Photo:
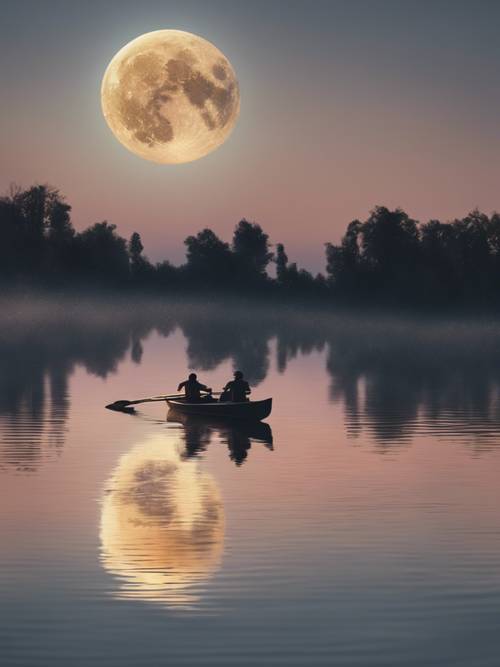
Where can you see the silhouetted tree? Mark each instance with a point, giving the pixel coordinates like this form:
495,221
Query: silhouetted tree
13,255
59,227
251,252
101,254
281,264
141,269
440,271
208,259
36,231
461,259
388,237
473,253
60,240
135,248
378,258
343,263
291,279
34,204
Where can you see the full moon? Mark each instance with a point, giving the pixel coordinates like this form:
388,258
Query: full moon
170,96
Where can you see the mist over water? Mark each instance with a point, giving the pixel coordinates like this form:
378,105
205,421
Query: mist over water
359,526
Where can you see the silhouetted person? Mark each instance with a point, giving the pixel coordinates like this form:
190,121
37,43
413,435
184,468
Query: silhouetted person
236,390
193,388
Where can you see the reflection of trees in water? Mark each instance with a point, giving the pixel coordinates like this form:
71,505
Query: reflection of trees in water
38,353
214,340
392,377
292,341
434,379
33,398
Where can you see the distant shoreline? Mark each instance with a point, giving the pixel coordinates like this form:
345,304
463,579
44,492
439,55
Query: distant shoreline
387,262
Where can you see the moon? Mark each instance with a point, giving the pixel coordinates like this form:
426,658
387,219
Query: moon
162,525
170,96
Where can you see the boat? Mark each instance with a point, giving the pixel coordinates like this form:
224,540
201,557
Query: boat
246,410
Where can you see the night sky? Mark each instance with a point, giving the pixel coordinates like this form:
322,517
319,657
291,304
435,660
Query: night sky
344,105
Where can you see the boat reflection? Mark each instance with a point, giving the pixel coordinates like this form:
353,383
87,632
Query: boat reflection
237,436
162,525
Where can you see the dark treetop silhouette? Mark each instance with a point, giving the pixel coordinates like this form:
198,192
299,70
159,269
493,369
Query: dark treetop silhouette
389,259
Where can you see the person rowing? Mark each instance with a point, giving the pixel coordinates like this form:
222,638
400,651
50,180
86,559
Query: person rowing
236,390
193,388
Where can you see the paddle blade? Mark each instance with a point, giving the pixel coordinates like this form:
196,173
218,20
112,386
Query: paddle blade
121,406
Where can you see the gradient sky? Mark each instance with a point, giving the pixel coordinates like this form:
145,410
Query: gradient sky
345,105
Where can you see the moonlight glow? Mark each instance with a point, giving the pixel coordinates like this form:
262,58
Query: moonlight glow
170,96
162,525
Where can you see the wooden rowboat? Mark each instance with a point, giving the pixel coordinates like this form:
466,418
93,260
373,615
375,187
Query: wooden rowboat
247,410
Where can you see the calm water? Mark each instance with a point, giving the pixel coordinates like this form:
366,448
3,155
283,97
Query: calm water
361,527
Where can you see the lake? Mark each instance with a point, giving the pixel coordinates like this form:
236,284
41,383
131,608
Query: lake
360,527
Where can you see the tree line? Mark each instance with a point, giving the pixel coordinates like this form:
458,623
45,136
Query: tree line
387,259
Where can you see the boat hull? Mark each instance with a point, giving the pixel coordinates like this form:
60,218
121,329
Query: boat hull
246,411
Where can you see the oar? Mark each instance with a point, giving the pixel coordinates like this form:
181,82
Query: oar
124,404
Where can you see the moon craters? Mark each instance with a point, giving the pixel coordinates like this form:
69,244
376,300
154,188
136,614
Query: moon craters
170,96
219,71
199,90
